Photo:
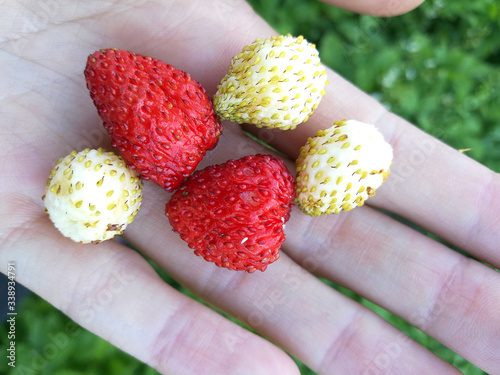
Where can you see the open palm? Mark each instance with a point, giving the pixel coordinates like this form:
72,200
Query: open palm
113,291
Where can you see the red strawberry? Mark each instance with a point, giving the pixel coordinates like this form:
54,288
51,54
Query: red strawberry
233,214
160,119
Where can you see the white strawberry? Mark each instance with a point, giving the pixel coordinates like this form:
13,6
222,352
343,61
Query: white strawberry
341,167
275,83
92,195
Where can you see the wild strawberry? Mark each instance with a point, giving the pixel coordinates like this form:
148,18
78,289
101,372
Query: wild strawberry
92,195
341,167
233,214
275,83
160,119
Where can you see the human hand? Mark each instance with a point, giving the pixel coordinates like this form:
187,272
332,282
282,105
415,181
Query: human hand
112,291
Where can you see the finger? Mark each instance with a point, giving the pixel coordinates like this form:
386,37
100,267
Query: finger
387,8
443,191
448,296
431,184
321,327
112,291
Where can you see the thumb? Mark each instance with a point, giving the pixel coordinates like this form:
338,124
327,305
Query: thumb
383,8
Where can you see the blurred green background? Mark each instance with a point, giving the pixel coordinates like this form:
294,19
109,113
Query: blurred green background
437,66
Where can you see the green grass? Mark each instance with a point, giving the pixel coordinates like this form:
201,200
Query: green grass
438,67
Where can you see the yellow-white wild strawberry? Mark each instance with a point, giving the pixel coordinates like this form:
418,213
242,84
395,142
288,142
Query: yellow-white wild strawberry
276,83
341,167
92,195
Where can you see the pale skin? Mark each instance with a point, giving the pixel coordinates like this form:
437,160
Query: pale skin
111,290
